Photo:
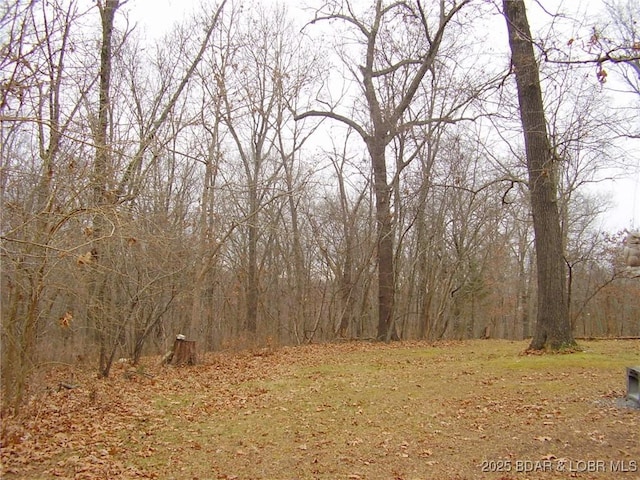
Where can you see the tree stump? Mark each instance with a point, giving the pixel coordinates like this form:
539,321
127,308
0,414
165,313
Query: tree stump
184,353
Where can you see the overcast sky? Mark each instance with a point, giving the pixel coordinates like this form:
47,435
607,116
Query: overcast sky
157,16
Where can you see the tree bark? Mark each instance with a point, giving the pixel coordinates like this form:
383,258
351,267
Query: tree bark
183,353
384,224
99,180
553,328
348,275
252,267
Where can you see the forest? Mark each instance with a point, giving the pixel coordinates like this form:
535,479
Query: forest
271,174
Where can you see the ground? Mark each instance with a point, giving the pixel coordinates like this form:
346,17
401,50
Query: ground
460,410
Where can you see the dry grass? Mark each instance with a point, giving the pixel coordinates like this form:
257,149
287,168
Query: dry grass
466,410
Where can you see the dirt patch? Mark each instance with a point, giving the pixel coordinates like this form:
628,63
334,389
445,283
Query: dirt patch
459,410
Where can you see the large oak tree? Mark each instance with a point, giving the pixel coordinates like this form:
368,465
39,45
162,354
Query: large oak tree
553,328
384,70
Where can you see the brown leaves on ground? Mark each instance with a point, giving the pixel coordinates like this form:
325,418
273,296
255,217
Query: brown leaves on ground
459,410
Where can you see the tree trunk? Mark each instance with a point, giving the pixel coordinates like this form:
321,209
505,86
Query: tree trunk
252,267
347,280
386,121
107,14
99,183
183,353
553,329
297,313
384,224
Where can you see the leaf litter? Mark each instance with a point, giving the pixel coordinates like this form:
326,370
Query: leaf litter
409,410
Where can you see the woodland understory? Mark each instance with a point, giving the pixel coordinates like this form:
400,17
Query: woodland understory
269,175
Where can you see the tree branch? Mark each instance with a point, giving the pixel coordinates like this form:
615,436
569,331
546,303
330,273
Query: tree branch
146,141
334,116
427,62
393,68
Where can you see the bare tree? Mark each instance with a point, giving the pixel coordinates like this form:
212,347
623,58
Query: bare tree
116,182
611,40
619,40
258,75
389,80
170,189
553,328
349,268
39,106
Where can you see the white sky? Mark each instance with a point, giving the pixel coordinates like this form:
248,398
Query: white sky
158,16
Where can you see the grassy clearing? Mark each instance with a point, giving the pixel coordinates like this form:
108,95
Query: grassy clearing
476,409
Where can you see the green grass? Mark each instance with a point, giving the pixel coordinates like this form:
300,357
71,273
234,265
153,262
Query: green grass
391,411
352,411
